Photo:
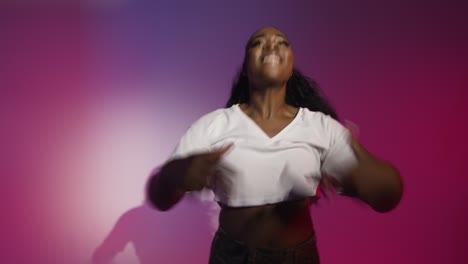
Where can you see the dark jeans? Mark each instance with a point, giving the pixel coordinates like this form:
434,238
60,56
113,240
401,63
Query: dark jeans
225,250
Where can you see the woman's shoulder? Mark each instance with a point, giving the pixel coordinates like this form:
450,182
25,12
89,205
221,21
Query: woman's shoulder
327,125
315,117
218,117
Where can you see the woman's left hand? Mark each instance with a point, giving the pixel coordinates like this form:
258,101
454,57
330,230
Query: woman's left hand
374,181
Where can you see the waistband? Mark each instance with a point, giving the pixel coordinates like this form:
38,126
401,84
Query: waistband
225,238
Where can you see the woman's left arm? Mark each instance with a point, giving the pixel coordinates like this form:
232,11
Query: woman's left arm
374,181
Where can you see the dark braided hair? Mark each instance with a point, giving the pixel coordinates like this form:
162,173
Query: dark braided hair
301,91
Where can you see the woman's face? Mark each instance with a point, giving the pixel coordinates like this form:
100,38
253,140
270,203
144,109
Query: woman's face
269,58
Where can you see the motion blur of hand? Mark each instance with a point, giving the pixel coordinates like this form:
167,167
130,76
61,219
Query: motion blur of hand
197,170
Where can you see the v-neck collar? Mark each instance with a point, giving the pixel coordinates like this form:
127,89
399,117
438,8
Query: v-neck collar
258,128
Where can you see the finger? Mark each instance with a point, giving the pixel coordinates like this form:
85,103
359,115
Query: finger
352,127
216,155
224,149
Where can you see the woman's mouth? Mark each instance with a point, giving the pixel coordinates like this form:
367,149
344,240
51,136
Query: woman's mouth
271,59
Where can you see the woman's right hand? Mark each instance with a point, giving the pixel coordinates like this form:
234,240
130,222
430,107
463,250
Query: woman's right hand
178,176
197,169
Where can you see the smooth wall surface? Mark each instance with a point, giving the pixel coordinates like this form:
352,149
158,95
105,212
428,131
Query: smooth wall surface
95,95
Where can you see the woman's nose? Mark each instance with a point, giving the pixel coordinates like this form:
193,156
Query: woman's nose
270,45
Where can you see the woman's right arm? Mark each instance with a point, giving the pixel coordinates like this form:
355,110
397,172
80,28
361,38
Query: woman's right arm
168,186
165,186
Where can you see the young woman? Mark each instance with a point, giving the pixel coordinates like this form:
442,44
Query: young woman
264,156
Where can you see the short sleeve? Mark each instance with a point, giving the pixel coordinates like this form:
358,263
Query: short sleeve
195,140
339,158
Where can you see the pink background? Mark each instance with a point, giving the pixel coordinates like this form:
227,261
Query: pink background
95,94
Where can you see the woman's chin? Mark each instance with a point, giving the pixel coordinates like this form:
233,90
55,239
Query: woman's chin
271,79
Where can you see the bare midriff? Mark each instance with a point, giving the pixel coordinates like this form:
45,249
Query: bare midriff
280,225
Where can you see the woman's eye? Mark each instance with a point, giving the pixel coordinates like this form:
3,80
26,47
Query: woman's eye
284,43
255,43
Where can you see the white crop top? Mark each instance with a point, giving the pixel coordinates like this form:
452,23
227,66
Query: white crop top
259,169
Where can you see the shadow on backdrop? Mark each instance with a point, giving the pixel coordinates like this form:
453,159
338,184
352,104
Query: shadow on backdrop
180,235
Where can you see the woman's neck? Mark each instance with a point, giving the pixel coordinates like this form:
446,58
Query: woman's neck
267,103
